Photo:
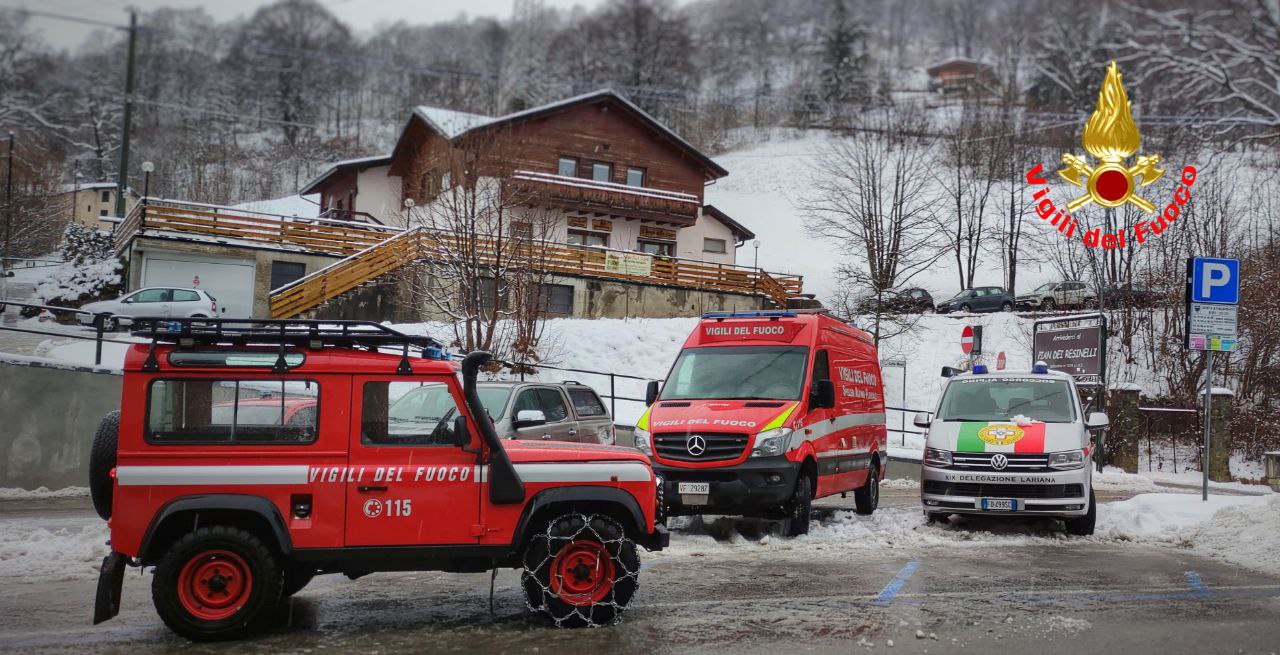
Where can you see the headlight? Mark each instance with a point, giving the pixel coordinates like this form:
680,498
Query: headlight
771,442
937,457
1071,459
642,441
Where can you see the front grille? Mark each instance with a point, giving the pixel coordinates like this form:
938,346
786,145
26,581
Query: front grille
983,490
1018,462
719,446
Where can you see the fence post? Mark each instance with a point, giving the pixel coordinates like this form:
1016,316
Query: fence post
613,399
97,352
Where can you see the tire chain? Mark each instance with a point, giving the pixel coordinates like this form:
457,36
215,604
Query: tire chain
613,546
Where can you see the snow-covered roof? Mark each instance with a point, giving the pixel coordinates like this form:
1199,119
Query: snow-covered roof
359,162
299,206
452,124
956,60
88,186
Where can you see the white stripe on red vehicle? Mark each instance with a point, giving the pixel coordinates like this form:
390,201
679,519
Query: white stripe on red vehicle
301,474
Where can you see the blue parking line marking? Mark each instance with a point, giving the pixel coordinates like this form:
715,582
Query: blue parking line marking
1197,585
895,585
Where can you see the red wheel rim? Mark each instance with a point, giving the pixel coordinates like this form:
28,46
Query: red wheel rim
582,573
214,585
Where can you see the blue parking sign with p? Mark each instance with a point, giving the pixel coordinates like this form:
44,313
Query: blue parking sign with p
1215,280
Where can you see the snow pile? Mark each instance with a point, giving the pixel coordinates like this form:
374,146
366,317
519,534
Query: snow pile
1247,534
296,206
52,549
12,493
1114,479
73,284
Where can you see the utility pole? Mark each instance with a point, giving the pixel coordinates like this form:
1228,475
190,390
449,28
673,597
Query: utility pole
122,180
8,204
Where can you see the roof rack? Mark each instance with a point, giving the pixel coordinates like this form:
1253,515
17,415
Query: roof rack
752,314
302,333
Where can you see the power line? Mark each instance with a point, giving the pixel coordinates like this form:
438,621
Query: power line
64,17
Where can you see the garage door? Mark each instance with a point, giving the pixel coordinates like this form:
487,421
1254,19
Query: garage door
230,281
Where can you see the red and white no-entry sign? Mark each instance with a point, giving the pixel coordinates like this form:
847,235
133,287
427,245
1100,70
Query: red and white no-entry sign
966,339
1000,361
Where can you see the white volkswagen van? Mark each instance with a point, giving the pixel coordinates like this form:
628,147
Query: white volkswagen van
1010,443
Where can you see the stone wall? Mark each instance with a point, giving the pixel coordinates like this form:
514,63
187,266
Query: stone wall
50,415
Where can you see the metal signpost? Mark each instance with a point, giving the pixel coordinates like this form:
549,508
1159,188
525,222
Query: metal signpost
1077,346
1212,302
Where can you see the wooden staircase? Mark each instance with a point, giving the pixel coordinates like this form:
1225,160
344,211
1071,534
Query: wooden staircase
345,274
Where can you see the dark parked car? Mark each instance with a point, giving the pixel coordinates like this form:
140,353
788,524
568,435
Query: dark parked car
978,299
1134,294
903,301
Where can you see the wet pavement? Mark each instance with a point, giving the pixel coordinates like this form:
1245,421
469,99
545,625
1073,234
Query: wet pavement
958,593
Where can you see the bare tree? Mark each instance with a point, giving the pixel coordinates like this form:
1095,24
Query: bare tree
975,157
872,200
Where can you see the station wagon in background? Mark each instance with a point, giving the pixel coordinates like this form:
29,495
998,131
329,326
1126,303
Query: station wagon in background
164,302
1053,295
564,411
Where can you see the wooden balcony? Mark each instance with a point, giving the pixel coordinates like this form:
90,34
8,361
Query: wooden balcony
369,251
591,196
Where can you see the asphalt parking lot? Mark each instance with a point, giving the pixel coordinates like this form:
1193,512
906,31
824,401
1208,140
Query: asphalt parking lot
975,586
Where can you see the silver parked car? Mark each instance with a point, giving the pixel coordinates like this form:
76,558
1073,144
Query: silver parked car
153,301
565,411
560,411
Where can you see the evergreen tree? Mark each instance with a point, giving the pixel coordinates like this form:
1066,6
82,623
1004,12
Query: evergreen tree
844,60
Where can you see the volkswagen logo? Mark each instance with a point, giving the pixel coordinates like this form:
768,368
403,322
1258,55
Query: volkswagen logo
998,462
696,445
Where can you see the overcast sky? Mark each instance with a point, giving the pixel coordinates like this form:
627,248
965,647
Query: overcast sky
362,15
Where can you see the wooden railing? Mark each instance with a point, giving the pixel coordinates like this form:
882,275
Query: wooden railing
606,197
371,251
340,277
227,225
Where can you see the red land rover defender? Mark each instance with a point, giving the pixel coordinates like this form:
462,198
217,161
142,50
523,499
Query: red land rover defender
765,411
248,458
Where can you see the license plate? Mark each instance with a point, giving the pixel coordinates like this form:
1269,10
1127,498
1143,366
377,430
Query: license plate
694,488
999,505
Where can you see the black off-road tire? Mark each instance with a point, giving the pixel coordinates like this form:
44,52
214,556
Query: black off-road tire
1048,305
606,589
1082,526
867,497
1006,306
296,578
102,458
966,309
800,512
197,551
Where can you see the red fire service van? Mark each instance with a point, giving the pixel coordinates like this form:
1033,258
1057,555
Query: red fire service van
765,411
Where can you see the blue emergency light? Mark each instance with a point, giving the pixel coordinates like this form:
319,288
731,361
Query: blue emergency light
980,369
763,314
1040,367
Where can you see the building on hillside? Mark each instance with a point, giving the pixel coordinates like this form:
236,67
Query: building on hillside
962,76
613,197
94,204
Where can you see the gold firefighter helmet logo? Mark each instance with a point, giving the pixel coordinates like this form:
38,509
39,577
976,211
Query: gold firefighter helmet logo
1112,137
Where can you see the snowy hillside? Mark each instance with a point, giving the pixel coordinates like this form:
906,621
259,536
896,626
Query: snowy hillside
766,190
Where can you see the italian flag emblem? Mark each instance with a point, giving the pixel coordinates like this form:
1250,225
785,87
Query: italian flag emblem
1000,437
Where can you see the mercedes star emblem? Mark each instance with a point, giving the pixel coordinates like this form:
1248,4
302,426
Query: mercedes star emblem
998,462
696,445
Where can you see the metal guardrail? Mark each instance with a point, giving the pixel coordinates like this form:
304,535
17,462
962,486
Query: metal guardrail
99,322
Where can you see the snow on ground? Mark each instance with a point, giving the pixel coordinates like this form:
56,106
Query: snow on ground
51,548
1244,530
13,493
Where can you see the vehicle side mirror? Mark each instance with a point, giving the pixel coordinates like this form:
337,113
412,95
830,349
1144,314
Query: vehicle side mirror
948,371
529,418
1097,421
651,392
921,420
823,394
461,435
